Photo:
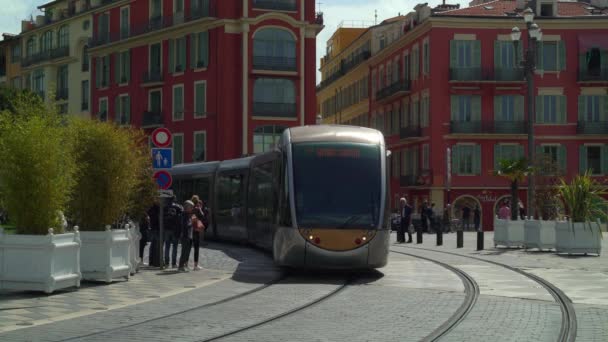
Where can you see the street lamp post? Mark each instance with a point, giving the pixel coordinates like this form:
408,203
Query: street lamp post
529,65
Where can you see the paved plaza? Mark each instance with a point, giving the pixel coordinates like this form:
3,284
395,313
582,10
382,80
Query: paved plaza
241,296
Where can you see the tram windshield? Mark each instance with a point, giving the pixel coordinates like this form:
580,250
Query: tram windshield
337,185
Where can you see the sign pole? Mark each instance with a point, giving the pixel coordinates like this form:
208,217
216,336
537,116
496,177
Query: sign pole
161,259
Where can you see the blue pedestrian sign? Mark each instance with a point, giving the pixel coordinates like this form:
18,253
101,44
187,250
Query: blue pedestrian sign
162,158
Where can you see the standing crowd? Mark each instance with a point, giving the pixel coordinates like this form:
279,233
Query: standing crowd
182,224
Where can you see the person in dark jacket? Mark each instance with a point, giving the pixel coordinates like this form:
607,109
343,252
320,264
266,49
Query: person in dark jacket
186,235
172,218
424,216
477,218
198,228
430,213
406,220
144,230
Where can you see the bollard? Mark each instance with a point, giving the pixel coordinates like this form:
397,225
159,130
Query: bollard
459,239
419,235
439,238
480,240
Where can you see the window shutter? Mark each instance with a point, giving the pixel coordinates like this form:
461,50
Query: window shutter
193,50
520,151
475,108
582,107
562,112
476,50
582,63
205,50
171,56
498,108
562,54
604,109
127,110
107,73
477,160
582,159
98,72
561,158
519,108
116,57
604,158
128,66
497,156
453,53
182,53
454,107
539,55
455,160
539,109
497,59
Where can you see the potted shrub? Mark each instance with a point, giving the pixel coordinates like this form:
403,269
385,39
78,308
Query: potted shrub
36,180
108,169
510,233
584,204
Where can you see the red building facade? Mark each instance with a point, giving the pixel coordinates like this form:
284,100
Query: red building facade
451,82
226,77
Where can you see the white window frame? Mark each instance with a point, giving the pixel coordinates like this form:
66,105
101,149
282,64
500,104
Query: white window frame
150,98
120,66
128,7
196,116
426,57
150,9
150,55
103,99
120,112
173,147
194,143
181,85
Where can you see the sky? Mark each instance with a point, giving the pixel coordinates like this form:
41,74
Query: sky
335,11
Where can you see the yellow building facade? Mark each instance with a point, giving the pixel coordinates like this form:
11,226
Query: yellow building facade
10,61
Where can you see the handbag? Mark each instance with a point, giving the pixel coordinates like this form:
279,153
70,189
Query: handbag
197,224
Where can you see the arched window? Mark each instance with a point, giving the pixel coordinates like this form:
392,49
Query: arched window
274,97
274,49
265,138
46,41
85,58
30,47
63,36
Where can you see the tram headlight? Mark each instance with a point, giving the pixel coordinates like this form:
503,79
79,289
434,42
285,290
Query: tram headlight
364,238
311,237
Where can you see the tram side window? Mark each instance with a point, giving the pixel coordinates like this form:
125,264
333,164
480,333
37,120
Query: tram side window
231,197
285,212
262,194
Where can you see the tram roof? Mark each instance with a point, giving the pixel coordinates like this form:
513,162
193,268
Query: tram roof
194,168
335,133
236,164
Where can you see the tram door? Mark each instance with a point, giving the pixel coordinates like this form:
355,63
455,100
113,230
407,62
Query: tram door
230,213
262,200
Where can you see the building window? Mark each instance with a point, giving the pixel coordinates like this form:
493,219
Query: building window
425,157
594,159
466,159
406,67
156,9
30,47
274,97
426,58
466,108
424,111
46,41
507,152
103,72
103,28
102,114
85,58
274,49
155,59
178,148
123,67
63,36
555,158
200,99
465,53
546,10
506,54
593,108
265,138
16,82
551,109
124,22
199,50
200,147
178,103
415,113
155,104
123,110
508,108
84,95
38,82
15,53
552,56
415,70
62,83
177,55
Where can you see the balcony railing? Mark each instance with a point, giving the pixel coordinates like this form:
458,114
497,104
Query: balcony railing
410,132
357,59
277,5
154,76
274,109
61,94
487,74
151,25
59,52
274,63
397,87
84,106
331,79
423,177
592,127
152,119
488,127
593,75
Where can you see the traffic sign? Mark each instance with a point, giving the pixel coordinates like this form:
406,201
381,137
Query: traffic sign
162,158
161,137
163,179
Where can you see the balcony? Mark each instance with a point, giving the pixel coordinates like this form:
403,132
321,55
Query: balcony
152,77
331,79
488,127
283,110
410,132
152,119
277,5
274,63
423,177
45,56
595,75
357,59
592,127
487,74
62,94
399,87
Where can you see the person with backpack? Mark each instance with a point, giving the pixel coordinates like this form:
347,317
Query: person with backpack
188,220
172,221
199,224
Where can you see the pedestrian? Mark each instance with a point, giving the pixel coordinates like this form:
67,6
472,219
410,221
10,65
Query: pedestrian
522,211
447,221
144,230
466,216
198,228
406,219
153,236
172,220
504,213
431,216
186,235
423,216
477,218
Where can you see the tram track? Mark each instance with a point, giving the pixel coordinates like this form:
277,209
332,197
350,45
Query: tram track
471,289
568,329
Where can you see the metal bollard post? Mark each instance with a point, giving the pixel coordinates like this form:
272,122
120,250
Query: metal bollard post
459,239
480,240
439,237
419,235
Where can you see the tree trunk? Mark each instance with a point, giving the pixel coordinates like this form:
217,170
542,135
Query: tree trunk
514,201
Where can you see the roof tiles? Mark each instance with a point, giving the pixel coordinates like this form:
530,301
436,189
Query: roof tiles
500,8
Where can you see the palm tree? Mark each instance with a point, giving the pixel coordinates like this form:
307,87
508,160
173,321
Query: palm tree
515,170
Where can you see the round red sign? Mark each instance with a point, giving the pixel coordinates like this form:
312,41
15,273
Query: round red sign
163,179
161,137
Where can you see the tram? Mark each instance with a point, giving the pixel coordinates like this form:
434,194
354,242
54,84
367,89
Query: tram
319,200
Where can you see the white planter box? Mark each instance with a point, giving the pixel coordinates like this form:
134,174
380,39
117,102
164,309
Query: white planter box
135,238
39,262
105,255
578,238
539,234
508,233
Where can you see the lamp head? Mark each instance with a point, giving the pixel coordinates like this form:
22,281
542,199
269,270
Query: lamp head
535,32
528,15
515,34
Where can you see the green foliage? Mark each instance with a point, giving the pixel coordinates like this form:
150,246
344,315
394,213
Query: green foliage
36,173
145,192
21,104
513,169
546,195
583,198
110,162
